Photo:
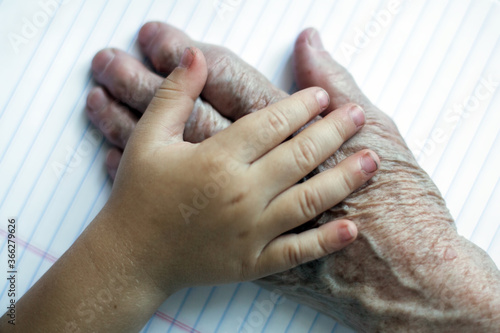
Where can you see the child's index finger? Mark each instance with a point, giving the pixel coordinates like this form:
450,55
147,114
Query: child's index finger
254,135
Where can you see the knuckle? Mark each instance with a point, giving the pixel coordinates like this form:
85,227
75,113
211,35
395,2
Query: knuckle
250,90
347,182
132,88
221,68
168,51
293,254
338,129
113,132
278,121
170,89
249,150
257,99
140,94
256,91
309,108
310,203
322,245
127,79
305,154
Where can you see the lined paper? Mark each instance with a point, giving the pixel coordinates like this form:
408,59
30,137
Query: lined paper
431,65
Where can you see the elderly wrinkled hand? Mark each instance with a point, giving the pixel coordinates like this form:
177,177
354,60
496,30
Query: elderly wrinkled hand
409,270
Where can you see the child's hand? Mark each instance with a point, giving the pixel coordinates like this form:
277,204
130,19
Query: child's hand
215,212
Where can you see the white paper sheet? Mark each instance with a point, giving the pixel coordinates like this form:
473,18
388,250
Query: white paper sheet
432,65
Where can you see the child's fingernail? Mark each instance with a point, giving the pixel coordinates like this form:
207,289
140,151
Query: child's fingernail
357,115
323,99
187,58
346,233
369,163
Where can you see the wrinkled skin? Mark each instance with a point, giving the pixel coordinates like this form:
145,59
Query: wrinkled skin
408,270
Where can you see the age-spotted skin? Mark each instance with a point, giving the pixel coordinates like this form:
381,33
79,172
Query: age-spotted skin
409,270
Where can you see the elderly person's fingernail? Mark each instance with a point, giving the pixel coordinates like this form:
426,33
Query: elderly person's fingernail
102,60
369,163
314,40
347,232
357,115
96,100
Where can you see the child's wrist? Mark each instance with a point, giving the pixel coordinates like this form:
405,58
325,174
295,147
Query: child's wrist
96,286
131,245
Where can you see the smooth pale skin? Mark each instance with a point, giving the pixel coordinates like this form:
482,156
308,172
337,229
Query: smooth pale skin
143,246
409,270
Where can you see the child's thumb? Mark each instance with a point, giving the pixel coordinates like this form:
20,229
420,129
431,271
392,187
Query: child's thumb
165,118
